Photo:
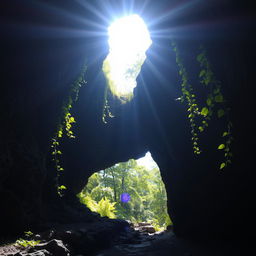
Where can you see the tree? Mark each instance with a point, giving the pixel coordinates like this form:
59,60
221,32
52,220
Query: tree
148,200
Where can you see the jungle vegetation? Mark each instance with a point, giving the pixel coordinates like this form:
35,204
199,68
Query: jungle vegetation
148,200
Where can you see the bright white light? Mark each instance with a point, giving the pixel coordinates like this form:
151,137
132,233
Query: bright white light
147,161
129,39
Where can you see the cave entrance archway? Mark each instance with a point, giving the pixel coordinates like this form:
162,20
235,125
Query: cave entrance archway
132,191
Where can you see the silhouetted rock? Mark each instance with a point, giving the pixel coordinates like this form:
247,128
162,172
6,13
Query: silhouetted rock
54,247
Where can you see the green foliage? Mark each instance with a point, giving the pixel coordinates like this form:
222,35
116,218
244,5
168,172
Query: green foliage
104,207
27,242
106,113
61,190
65,127
69,120
221,113
222,165
204,111
148,196
99,192
113,86
215,104
188,97
88,201
28,233
221,146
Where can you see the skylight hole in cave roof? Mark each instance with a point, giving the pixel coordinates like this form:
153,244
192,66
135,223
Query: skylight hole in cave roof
129,40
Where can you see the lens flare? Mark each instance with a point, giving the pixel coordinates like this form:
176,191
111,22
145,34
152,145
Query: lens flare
129,39
125,197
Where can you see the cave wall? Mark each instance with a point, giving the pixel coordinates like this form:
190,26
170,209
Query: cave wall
43,53
201,198
38,63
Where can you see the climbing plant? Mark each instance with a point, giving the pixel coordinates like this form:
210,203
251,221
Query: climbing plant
188,97
106,112
214,104
65,126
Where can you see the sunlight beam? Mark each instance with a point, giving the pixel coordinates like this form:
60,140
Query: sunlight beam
129,39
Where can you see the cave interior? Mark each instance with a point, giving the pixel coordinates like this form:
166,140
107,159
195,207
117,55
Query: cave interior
45,46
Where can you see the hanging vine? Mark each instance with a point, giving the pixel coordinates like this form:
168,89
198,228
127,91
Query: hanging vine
65,127
106,113
215,105
188,97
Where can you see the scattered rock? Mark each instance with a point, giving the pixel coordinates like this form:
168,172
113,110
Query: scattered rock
148,229
141,224
144,227
36,253
39,253
16,254
54,247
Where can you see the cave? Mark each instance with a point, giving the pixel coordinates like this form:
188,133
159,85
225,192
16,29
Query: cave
192,108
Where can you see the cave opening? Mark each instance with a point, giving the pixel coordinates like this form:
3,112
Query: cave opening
129,39
132,191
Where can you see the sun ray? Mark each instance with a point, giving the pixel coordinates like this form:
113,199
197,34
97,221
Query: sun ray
129,39
172,12
92,8
152,109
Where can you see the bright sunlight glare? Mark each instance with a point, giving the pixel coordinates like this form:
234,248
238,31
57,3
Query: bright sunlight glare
147,161
129,39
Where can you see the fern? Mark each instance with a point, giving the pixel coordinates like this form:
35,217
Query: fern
104,207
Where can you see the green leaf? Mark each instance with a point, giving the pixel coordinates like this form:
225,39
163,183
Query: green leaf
224,134
209,102
60,133
62,187
204,111
222,165
201,129
200,57
221,146
207,80
202,73
27,243
28,233
220,113
72,119
219,98
216,91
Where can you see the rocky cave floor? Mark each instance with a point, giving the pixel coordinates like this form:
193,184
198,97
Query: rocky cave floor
117,238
